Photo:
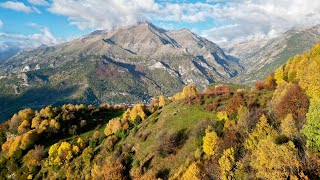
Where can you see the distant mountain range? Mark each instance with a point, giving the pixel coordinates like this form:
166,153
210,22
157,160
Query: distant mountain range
126,65
261,57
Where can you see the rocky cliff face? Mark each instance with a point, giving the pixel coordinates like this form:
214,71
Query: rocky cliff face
125,65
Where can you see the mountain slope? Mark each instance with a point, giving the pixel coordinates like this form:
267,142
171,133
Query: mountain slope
261,57
126,65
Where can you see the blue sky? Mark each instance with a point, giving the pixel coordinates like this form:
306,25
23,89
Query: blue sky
30,23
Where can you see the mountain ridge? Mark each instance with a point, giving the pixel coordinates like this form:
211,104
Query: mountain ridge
261,57
126,65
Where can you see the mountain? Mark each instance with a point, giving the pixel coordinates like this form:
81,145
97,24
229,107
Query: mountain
126,65
6,53
261,57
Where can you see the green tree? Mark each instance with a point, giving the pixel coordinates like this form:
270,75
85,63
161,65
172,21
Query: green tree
312,127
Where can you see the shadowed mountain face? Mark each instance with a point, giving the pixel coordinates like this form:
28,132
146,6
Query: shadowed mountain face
126,65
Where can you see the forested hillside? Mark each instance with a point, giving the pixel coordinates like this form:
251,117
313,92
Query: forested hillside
269,131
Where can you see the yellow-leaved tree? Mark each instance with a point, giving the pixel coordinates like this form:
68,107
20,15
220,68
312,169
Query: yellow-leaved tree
262,131
210,142
135,111
227,163
187,91
272,161
115,125
193,172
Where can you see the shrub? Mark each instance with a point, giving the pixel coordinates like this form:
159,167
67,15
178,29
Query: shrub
170,142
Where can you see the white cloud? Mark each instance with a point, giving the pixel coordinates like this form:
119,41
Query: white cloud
39,2
44,37
111,14
1,24
232,20
262,19
103,14
17,6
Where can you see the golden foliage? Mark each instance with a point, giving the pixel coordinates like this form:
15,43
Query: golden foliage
278,75
227,163
187,91
303,69
24,127
272,161
60,153
243,115
270,82
36,122
108,171
193,172
43,126
114,125
210,142
5,146
137,110
222,115
288,126
262,131
28,139
14,149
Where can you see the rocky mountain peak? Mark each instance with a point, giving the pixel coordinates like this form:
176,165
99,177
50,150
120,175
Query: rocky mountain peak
128,65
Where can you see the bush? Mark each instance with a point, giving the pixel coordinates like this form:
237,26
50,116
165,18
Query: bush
290,98
170,143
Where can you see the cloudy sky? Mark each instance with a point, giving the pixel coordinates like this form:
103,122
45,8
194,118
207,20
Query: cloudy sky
31,23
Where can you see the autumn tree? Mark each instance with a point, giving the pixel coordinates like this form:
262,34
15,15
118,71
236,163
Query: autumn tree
188,91
14,149
33,158
227,164
210,142
262,131
279,75
242,116
28,139
36,122
290,98
109,170
115,125
233,105
288,126
24,127
194,171
14,123
259,85
309,76
304,70
270,82
136,110
272,161
60,153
